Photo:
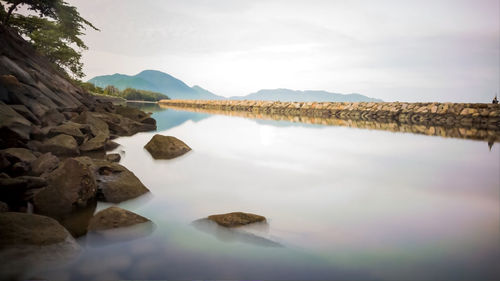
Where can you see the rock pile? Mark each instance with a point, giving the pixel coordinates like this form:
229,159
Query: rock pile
53,140
478,115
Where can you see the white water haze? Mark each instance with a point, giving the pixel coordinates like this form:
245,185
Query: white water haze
393,50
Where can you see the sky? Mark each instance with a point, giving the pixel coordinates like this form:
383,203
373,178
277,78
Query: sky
441,50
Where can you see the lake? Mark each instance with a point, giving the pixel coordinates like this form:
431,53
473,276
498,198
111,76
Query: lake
340,202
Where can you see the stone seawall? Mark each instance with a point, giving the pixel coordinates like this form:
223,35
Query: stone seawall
457,120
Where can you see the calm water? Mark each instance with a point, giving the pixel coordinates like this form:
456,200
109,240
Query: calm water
341,203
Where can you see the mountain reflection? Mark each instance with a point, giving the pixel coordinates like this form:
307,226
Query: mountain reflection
168,119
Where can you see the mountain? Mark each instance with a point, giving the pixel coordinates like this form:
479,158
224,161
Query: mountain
156,81
291,95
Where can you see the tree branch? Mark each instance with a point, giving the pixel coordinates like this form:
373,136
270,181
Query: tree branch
9,12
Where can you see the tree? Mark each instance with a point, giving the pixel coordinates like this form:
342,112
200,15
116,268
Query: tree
44,8
55,32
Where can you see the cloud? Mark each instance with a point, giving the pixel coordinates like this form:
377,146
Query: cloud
395,50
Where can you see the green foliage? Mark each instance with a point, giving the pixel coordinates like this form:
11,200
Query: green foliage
91,88
128,94
134,94
55,33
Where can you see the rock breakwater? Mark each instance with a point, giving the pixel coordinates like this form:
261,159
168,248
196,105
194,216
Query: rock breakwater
457,120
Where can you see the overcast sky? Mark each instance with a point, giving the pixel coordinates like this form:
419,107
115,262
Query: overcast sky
394,50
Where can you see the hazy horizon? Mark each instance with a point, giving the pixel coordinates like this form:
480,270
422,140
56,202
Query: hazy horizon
411,51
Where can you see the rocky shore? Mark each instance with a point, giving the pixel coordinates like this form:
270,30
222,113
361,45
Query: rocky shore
456,120
53,164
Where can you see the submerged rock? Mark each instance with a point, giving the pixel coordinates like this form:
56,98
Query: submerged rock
166,147
60,145
236,219
114,217
71,184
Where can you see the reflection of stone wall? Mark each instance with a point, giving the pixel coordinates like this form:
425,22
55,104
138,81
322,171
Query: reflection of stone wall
457,120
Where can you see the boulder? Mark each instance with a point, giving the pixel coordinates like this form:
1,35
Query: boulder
21,183
44,164
96,125
131,113
31,243
14,128
166,147
123,126
38,133
60,145
71,184
26,113
15,155
116,183
236,219
96,143
52,118
113,157
70,129
30,229
110,145
114,217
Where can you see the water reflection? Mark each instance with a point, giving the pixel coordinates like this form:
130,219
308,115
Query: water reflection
119,235
490,135
167,119
233,234
346,204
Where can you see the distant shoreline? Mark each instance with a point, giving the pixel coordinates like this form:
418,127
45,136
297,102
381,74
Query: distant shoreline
140,101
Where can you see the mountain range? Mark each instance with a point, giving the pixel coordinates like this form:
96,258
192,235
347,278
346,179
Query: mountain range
157,81
292,95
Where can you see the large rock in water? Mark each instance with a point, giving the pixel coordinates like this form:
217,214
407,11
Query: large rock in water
61,145
31,242
30,229
71,184
166,147
116,183
236,219
114,217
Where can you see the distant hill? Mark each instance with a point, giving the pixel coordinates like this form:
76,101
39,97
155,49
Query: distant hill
291,95
155,81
